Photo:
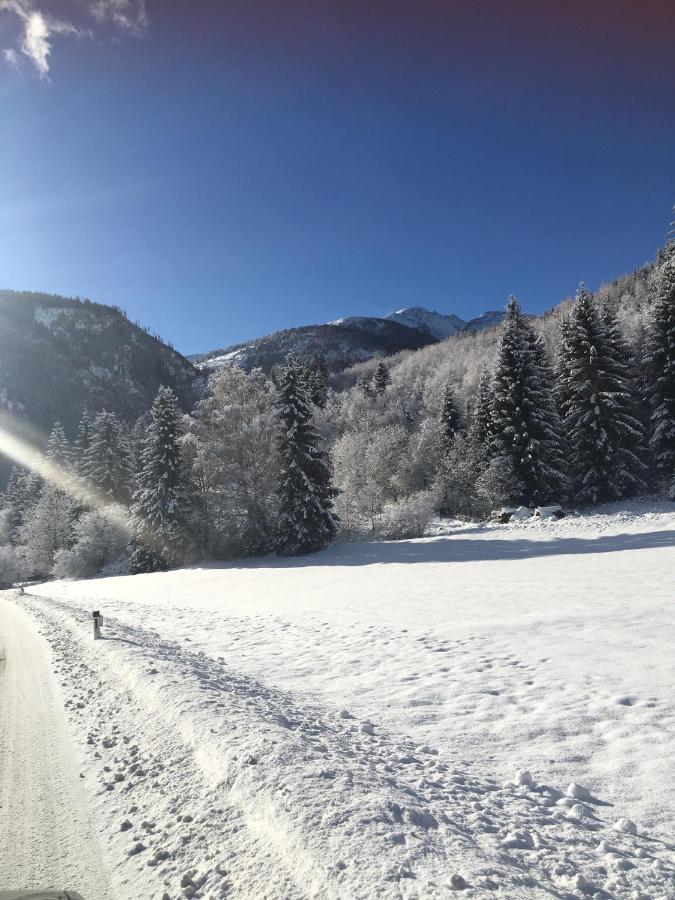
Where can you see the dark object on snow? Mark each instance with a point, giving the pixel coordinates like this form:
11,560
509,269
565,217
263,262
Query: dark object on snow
98,621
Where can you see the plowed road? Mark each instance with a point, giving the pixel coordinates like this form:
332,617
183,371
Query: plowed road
46,835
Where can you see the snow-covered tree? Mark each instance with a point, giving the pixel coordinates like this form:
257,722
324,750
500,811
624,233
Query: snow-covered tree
98,540
317,380
20,496
660,372
450,419
82,444
597,403
367,474
12,566
481,421
307,520
236,461
455,486
527,439
46,530
364,384
58,447
106,462
381,378
160,507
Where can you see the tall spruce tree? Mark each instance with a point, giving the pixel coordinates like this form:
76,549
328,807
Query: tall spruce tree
307,521
527,441
82,444
660,372
160,508
481,421
450,419
106,463
381,378
58,447
598,405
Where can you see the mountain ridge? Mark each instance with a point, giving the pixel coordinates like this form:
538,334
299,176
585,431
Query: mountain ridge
347,340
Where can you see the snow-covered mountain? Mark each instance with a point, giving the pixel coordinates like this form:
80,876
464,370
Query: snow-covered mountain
443,326
348,340
437,324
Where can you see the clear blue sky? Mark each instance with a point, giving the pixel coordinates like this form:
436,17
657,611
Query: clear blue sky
225,169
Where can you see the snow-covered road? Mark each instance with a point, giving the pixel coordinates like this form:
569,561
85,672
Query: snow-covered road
360,723
46,836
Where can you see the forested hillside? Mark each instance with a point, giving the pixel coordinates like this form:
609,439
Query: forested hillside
60,356
576,407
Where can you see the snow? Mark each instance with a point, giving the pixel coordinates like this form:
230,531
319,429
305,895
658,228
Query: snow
482,711
439,325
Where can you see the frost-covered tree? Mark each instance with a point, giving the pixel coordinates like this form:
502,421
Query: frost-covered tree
455,486
364,384
381,378
236,461
307,520
317,380
99,539
12,566
58,449
660,372
450,419
597,403
160,507
20,496
527,439
82,444
481,422
368,475
46,530
106,462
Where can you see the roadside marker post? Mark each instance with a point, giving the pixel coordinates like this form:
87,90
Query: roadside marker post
98,621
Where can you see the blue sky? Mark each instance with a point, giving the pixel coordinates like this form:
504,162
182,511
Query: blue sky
222,170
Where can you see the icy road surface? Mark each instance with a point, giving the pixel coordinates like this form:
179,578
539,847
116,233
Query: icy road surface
46,836
486,713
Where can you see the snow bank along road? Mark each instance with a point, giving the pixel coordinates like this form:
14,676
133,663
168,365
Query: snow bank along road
488,713
46,838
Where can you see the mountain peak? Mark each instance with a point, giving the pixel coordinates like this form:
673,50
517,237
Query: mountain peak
440,325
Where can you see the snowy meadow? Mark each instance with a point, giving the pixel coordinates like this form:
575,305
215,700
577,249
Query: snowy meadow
488,710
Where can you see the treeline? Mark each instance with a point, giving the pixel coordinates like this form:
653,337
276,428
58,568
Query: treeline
280,463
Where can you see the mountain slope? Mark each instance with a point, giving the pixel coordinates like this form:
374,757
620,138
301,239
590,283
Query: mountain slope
60,356
437,324
349,340
343,343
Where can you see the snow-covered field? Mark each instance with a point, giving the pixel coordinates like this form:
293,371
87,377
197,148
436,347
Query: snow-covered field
384,720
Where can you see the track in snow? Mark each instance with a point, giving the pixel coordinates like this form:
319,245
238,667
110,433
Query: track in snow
214,784
46,835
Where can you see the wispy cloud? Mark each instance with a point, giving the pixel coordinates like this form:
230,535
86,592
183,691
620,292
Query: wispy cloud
127,14
38,27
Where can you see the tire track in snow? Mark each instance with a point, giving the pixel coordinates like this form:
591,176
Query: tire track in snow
46,834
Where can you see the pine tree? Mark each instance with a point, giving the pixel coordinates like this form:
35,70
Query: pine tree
58,449
527,437
19,497
160,508
364,385
381,378
481,422
307,521
450,419
660,372
106,463
597,402
82,444
317,380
